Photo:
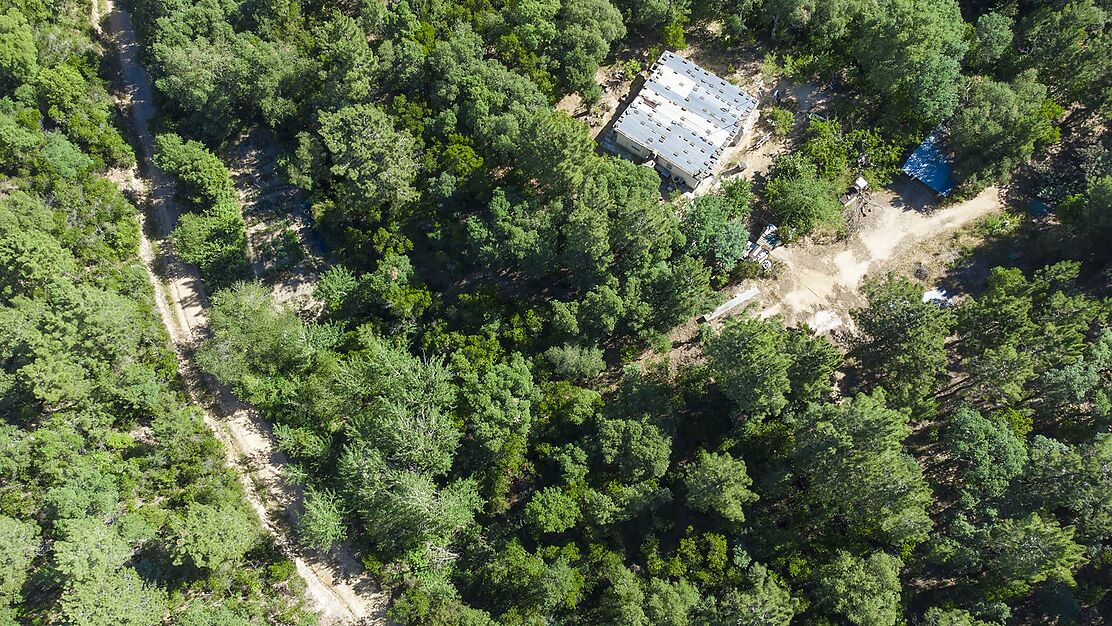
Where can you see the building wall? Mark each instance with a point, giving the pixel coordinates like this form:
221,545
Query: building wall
669,169
662,165
628,144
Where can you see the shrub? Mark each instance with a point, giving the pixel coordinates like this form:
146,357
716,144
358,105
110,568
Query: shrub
801,199
574,362
781,120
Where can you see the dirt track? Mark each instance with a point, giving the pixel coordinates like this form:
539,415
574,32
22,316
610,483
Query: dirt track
336,585
819,284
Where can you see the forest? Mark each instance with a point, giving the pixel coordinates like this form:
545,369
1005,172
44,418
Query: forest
484,404
116,506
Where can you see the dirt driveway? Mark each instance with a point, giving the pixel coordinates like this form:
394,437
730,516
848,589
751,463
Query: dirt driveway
819,284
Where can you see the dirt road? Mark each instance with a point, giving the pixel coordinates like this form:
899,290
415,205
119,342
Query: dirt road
336,585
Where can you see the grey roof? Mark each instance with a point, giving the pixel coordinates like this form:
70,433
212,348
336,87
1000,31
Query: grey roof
685,114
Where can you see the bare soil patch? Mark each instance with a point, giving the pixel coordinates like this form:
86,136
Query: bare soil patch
285,252
818,284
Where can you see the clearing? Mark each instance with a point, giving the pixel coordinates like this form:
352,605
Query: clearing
286,253
819,284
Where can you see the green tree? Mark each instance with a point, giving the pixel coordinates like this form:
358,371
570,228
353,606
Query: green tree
79,107
1090,214
577,363
767,601
256,347
215,242
988,452
402,510
950,617
599,311
31,259
1081,387
18,57
348,76
1015,312
372,163
992,39
622,602
214,238
19,543
800,199
997,128
1070,47
406,406
714,225
210,536
520,583
1070,479
903,340
718,483
391,293
322,524
117,598
584,31
748,360
552,510
815,360
87,549
638,449
676,291
670,603
201,615
910,53
865,591
858,472
1022,552
496,404
85,489
205,181
998,377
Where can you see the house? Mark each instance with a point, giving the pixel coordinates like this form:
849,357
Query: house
683,120
930,166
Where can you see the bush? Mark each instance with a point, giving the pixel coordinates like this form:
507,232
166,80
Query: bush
552,511
575,362
673,34
204,179
322,524
781,120
215,242
632,68
801,199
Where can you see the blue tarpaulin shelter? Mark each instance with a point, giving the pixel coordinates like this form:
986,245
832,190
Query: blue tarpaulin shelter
929,165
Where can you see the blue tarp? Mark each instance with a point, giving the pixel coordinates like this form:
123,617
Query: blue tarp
930,166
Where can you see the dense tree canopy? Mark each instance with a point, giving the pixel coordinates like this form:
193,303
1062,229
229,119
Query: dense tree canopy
115,504
911,53
998,127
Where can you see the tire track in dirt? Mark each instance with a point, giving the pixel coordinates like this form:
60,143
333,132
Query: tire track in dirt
336,585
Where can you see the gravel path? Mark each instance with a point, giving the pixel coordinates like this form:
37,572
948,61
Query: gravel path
336,585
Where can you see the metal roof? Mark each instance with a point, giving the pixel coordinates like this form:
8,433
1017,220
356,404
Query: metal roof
685,114
930,165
